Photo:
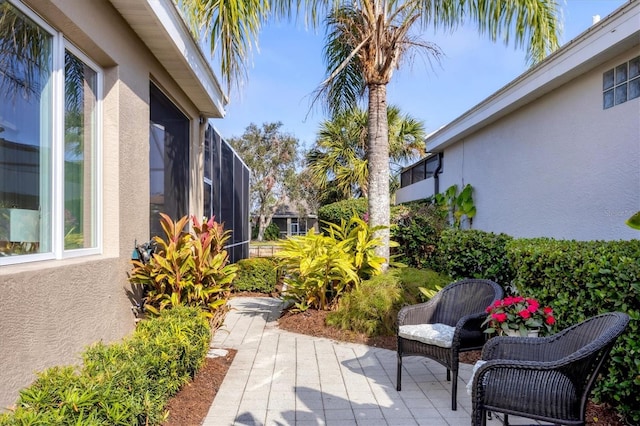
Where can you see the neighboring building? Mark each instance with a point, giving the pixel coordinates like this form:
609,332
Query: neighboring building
103,123
556,152
294,221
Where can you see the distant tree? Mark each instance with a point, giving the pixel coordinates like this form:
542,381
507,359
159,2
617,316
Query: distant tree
338,161
272,157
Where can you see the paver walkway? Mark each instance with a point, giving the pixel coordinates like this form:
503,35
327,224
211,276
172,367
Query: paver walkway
283,378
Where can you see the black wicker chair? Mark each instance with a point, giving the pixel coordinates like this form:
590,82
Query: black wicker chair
548,378
461,305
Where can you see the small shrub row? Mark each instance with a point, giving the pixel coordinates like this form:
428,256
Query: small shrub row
257,274
343,210
127,383
372,308
475,254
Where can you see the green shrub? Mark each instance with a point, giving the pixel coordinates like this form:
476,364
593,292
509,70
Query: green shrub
413,280
319,268
256,274
373,307
187,268
343,210
127,383
417,228
471,253
271,232
580,279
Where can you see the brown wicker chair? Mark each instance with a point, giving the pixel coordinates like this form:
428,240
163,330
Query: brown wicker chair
547,379
461,305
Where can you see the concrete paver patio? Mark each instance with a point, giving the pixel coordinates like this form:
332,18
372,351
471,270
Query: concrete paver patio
283,378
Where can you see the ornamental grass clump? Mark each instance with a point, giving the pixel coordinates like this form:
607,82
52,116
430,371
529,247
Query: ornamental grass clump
518,314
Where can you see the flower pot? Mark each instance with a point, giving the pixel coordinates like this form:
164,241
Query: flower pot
516,333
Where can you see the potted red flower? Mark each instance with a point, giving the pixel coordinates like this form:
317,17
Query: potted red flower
518,316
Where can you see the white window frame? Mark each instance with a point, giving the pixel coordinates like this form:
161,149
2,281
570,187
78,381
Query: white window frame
56,174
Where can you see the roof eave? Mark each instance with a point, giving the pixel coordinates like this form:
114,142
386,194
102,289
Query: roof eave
598,44
162,29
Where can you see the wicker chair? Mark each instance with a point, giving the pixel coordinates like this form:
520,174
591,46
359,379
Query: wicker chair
460,305
547,379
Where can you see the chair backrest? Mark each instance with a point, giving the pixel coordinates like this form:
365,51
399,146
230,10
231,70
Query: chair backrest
586,346
465,297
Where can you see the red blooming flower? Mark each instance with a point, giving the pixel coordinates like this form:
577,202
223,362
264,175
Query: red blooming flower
518,313
500,317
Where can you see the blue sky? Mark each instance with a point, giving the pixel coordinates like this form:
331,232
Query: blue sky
289,67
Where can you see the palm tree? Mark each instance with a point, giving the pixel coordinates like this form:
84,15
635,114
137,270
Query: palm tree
339,158
366,41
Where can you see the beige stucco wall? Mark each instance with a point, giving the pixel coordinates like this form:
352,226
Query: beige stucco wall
560,167
51,310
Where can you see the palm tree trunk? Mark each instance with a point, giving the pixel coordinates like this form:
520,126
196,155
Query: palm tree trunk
378,158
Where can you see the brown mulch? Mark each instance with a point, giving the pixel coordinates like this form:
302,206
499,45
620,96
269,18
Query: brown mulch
191,404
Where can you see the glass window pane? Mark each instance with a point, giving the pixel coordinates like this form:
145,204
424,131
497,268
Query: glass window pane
634,88
634,67
607,99
405,179
621,94
25,134
79,162
621,73
418,173
432,165
607,80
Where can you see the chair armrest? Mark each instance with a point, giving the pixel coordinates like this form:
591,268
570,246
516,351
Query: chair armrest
518,349
420,313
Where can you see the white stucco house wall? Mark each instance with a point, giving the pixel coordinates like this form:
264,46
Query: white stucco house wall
556,152
104,122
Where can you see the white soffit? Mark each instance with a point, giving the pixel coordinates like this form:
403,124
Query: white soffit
606,39
161,28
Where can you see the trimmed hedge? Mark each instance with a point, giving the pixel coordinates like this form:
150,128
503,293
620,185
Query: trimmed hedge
580,279
127,383
417,228
472,253
256,274
342,210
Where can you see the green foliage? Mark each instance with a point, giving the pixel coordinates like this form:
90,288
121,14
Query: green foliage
634,221
475,254
343,210
373,307
187,268
271,232
125,384
417,228
256,274
581,279
272,157
338,160
319,268
458,205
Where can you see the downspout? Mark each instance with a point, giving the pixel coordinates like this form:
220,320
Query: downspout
436,174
